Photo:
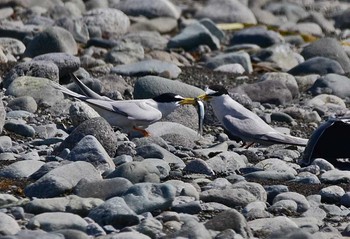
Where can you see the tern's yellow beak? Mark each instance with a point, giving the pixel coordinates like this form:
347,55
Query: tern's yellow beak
188,101
204,97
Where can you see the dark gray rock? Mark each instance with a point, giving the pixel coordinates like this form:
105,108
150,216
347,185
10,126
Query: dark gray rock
19,127
329,48
256,35
193,36
198,166
97,127
156,151
52,39
342,19
114,212
317,65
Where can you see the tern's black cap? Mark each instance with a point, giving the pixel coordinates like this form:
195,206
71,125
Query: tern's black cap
168,97
217,90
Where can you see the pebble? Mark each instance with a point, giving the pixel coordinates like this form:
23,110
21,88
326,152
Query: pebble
151,86
65,61
52,221
149,8
37,68
8,225
52,39
231,58
107,22
114,212
104,189
147,197
66,173
89,149
52,185
317,65
147,67
193,36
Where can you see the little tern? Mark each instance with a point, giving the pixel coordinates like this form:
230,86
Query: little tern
128,114
243,123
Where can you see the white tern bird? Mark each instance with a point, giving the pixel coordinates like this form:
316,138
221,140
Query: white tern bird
128,114
243,123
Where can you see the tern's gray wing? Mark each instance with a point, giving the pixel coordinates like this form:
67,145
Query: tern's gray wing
138,110
249,129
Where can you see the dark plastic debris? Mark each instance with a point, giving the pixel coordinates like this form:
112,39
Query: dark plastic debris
330,141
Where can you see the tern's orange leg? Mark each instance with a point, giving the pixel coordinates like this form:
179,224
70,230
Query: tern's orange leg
247,145
142,131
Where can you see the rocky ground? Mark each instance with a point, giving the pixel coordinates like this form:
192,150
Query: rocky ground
67,173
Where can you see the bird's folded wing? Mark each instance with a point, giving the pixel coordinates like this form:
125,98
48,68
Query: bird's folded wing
134,110
250,128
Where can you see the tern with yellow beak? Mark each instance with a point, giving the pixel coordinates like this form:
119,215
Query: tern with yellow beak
128,114
243,123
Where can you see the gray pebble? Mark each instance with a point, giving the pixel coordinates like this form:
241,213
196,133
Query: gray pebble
147,197
8,225
21,169
114,212
26,103
71,203
89,149
149,8
104,189
231,197
62,179
44,69
147,67
52,221
52,39
19,128
303,204
65,61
